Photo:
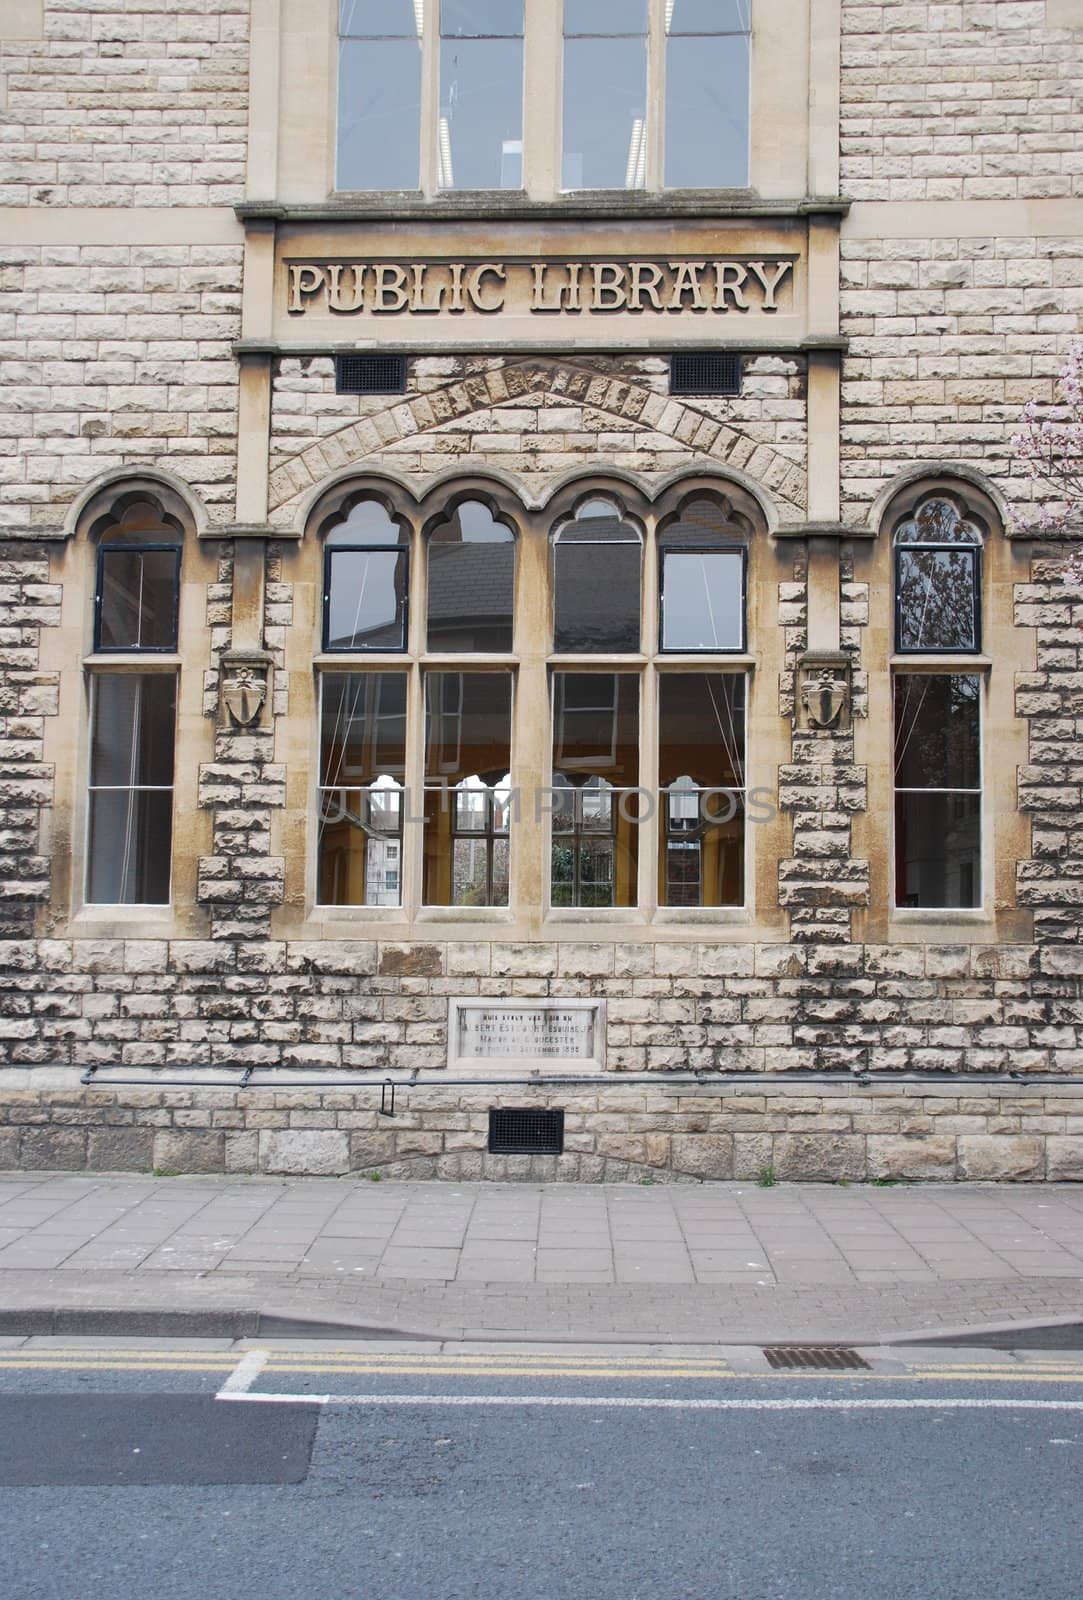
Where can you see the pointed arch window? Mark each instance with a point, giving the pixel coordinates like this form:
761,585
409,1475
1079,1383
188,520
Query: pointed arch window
703,558
366,579
597,581
133,712
471,581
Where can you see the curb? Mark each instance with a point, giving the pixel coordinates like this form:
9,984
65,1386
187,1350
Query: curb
1050,1333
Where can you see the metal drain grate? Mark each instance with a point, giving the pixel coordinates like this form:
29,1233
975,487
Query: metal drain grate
524,1131
370,374
814,1358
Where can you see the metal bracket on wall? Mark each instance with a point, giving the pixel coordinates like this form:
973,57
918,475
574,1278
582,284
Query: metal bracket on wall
387,1102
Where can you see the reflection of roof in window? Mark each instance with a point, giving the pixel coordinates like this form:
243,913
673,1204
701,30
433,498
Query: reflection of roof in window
470,580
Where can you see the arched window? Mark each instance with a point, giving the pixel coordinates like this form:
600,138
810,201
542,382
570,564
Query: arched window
938,578
702,560
597,576
366,578
133,712
471,588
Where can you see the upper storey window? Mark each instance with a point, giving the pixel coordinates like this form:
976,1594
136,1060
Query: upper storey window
471,581
138,584
480,135
655,94
938,579
702,563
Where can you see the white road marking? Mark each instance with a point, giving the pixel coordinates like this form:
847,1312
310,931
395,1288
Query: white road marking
655,1403
244,1373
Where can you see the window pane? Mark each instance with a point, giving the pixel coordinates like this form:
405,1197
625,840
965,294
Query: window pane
481,18
938,850
597,560
604,134
702,729
707,112
366,523
362,728
362,765
471,582
359,19
379,113
596,726
605,16
708,16
130,843
468,751
480,143
937,731
138,604
701,773
467,725
595,764
935,595
366,603
702,600
132,737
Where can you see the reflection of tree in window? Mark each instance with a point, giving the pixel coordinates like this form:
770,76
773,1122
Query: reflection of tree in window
362,768
937,790
702,569
366,579
597,562
467,788
937,571
471,581
701,774
595,766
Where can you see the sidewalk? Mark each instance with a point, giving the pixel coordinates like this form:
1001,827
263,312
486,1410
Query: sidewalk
717,1263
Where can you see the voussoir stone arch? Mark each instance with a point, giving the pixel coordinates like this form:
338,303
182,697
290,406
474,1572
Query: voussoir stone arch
401,426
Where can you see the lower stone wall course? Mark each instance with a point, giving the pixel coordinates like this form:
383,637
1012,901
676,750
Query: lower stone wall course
822,1133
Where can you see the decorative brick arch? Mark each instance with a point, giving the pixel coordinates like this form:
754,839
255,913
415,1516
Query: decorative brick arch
702,436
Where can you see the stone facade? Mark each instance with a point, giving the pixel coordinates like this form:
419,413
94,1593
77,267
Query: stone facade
144,339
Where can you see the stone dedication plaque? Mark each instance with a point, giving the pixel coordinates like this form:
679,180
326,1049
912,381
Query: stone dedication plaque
526,1035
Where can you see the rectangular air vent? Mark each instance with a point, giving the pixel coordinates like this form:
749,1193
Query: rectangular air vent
705,372
370,374
524,1131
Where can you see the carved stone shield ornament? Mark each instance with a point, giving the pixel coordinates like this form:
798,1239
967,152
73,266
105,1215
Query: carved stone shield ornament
243,695
824,699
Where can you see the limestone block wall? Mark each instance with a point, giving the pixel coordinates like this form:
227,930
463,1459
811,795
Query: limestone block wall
372,1008
665,1132
127,103
115,355
951,333
537,418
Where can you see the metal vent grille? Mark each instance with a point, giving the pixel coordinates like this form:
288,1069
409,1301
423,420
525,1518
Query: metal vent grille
370,374
705,372
524,1131
814,1358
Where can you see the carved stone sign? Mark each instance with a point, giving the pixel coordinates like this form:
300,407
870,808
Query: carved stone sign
528,1035
351,287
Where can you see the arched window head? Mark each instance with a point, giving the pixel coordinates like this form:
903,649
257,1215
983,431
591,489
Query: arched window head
597,577
471,589
137,591
702,556
366,578
938,578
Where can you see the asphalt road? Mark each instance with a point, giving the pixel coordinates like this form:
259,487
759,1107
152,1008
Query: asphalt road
431,1476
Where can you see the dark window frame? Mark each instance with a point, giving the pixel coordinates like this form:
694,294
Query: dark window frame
701,549
975,553
330,550
126,548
